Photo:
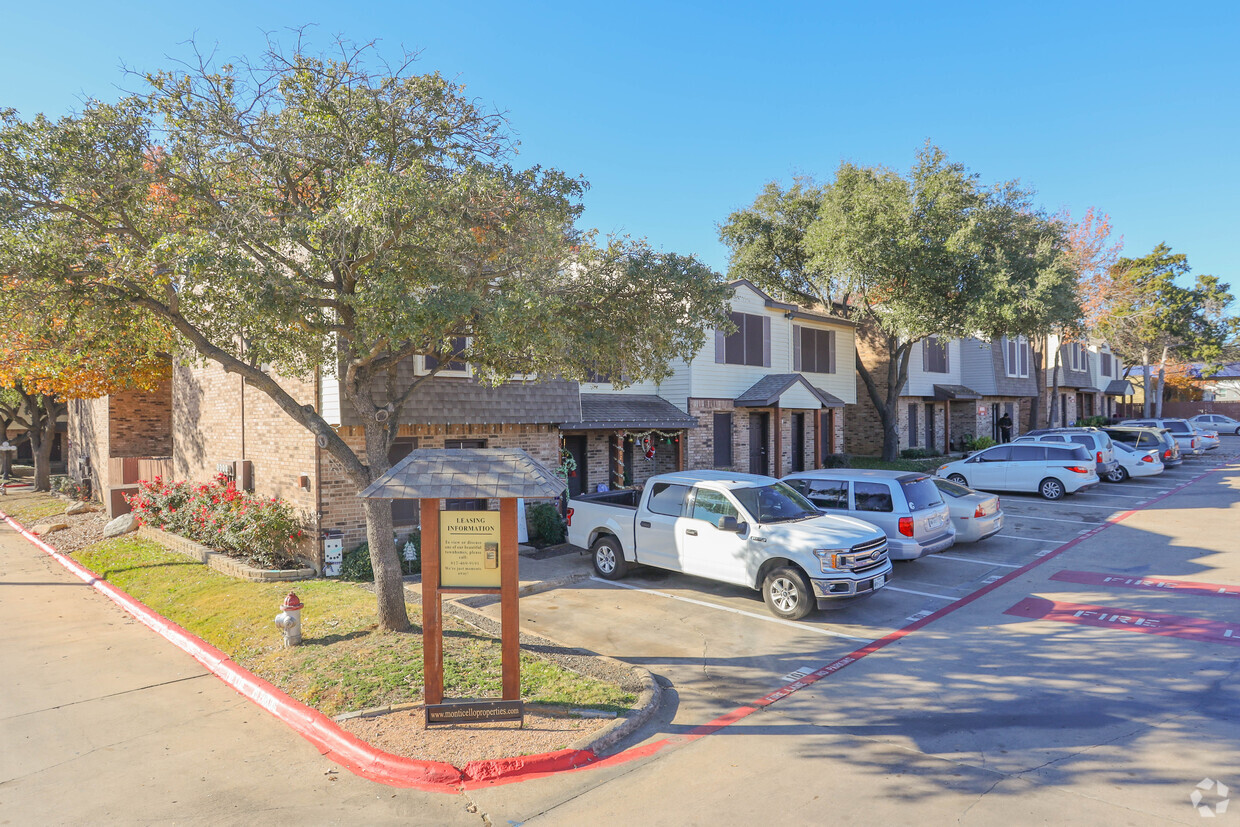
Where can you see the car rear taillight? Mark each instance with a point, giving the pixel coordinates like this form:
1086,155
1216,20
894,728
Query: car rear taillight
1167,454
978,512
1099,459
1147,458
568,517
1076,469
906,526
1194,444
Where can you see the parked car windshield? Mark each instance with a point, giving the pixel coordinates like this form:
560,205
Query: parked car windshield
921,494
774,503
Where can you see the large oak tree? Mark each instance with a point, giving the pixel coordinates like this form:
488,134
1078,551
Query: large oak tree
907,256
307,211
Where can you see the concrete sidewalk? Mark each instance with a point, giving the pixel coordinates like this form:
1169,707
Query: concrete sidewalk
104,722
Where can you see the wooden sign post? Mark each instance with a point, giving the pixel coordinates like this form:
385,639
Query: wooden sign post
470,552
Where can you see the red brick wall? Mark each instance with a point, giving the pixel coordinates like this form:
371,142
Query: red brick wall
217,418
140,423
88,438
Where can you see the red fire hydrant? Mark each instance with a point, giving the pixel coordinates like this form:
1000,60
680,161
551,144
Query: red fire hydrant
289,620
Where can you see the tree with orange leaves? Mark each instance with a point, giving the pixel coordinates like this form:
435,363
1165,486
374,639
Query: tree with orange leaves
49,355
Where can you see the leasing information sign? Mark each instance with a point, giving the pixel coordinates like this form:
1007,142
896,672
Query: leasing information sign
469,549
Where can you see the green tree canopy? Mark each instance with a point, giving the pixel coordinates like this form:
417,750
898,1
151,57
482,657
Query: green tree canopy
927,253
306,211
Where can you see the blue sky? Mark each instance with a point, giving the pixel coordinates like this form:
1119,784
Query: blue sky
678,113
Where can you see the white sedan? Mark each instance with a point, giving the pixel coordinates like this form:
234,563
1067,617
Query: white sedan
1135,462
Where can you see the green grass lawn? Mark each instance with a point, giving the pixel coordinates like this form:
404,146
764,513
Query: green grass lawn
345,663
29,508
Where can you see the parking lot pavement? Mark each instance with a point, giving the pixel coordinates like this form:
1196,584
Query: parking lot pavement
720,640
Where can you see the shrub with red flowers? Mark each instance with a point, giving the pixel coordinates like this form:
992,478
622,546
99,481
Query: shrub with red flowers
263,530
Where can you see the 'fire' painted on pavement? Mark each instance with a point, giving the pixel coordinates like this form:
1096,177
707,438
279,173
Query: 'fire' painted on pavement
1161,584
1152,623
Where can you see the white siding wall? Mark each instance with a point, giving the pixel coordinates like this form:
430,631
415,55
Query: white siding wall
710,380
977,366
329,397
921,383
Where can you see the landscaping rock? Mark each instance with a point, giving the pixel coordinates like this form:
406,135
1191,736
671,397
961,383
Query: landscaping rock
79,507
48,528
121,525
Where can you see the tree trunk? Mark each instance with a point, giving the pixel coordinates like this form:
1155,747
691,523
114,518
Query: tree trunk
1039,382
384,558
1145,379
1052,412
1162,384
886,407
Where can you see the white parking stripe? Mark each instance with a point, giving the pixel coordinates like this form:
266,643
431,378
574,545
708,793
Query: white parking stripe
1096,493
1062,504
1016,516
1027,539
969,560
923,594
804,627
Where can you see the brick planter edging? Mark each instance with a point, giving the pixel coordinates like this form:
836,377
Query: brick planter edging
222,562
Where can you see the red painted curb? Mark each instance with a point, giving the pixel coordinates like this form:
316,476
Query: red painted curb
332,741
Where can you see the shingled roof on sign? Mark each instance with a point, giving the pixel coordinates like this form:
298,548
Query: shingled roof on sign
466,473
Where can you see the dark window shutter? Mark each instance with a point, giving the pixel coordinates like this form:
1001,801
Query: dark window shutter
797,332
925,355
946,366
723,439
766,341
1007,354
912,424
734,347
1023,349
721,353
822,348
830,351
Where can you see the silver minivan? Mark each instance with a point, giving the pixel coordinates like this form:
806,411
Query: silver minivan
906,506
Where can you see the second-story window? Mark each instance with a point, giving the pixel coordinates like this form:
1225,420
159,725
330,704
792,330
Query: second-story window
1076,356
934,355
1016,357
1105,359
813,351
749,345
457,366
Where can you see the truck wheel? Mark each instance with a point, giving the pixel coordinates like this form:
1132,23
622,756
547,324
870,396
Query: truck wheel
787,593
609,562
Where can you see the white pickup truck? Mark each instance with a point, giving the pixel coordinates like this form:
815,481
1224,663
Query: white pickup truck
744,529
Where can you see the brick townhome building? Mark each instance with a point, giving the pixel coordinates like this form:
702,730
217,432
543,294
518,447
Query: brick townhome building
767,399
206,420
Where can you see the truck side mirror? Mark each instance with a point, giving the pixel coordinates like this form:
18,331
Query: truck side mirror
731,524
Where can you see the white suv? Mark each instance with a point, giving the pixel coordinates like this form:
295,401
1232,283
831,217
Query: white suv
1049,470
1095,441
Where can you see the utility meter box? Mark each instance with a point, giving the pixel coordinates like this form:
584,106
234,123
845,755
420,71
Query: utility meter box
333,555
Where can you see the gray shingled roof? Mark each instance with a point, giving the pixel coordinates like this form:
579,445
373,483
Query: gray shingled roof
466,473
766,391
954,392
1119,387
618,411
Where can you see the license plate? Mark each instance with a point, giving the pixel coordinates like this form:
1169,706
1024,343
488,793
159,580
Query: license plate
934,522
879,581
